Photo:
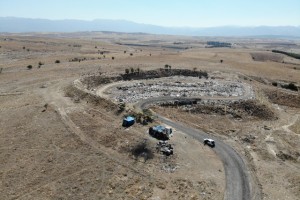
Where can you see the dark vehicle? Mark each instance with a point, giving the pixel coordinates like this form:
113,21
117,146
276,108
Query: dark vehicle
209,142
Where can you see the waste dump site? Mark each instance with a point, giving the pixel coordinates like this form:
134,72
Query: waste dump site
177,86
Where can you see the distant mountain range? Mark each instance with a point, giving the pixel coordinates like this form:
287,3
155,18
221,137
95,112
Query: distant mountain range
20,25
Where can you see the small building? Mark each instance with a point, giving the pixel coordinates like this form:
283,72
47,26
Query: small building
128,121
160,132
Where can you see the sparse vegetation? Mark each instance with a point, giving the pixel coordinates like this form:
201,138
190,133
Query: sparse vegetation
40,64
213,44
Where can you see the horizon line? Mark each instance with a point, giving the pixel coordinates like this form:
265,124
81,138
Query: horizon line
191,27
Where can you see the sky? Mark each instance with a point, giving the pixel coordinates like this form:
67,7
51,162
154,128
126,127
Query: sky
171,13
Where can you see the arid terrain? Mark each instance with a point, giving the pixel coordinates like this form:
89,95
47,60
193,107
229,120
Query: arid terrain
63,97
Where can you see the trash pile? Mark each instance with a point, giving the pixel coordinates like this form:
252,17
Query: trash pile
189,87
164,147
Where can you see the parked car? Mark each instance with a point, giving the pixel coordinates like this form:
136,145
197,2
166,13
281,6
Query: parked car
209,142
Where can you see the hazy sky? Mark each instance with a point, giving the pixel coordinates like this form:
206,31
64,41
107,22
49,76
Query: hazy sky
191,13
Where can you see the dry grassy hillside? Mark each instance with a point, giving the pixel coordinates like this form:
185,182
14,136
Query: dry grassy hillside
57,143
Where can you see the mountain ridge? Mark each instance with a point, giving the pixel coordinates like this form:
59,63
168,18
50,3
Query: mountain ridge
21,25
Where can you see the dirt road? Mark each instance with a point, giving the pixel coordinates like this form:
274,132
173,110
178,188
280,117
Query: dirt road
237,177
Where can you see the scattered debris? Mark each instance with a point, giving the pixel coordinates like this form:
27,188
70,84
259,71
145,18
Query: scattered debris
165,148
177,87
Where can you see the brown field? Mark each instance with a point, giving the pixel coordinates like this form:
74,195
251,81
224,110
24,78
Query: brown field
55,146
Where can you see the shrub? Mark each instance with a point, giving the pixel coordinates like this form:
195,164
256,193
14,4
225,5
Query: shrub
131,70
29,67
131,54
57,61
126,71
113,58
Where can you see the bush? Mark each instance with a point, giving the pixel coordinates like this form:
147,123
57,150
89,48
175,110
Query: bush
57,61
41,63
131,70
29,67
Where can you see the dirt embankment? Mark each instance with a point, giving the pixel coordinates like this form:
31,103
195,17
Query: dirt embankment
283,98
96,80
246,109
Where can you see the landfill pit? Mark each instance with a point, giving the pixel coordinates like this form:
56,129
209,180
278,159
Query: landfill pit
178,86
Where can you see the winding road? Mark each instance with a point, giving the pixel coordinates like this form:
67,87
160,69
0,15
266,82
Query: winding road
237,177
238,180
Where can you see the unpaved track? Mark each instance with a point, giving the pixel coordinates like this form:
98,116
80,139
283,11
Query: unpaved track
54,95
237,176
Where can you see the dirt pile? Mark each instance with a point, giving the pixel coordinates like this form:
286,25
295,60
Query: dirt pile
283,98
237,109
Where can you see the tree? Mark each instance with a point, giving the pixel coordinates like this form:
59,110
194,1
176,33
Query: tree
126,71
113,58
166,67
124,51
131,70
221,61
29,67
194,69
131,54
138,70
57,61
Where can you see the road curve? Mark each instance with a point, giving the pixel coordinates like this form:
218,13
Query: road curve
237,176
